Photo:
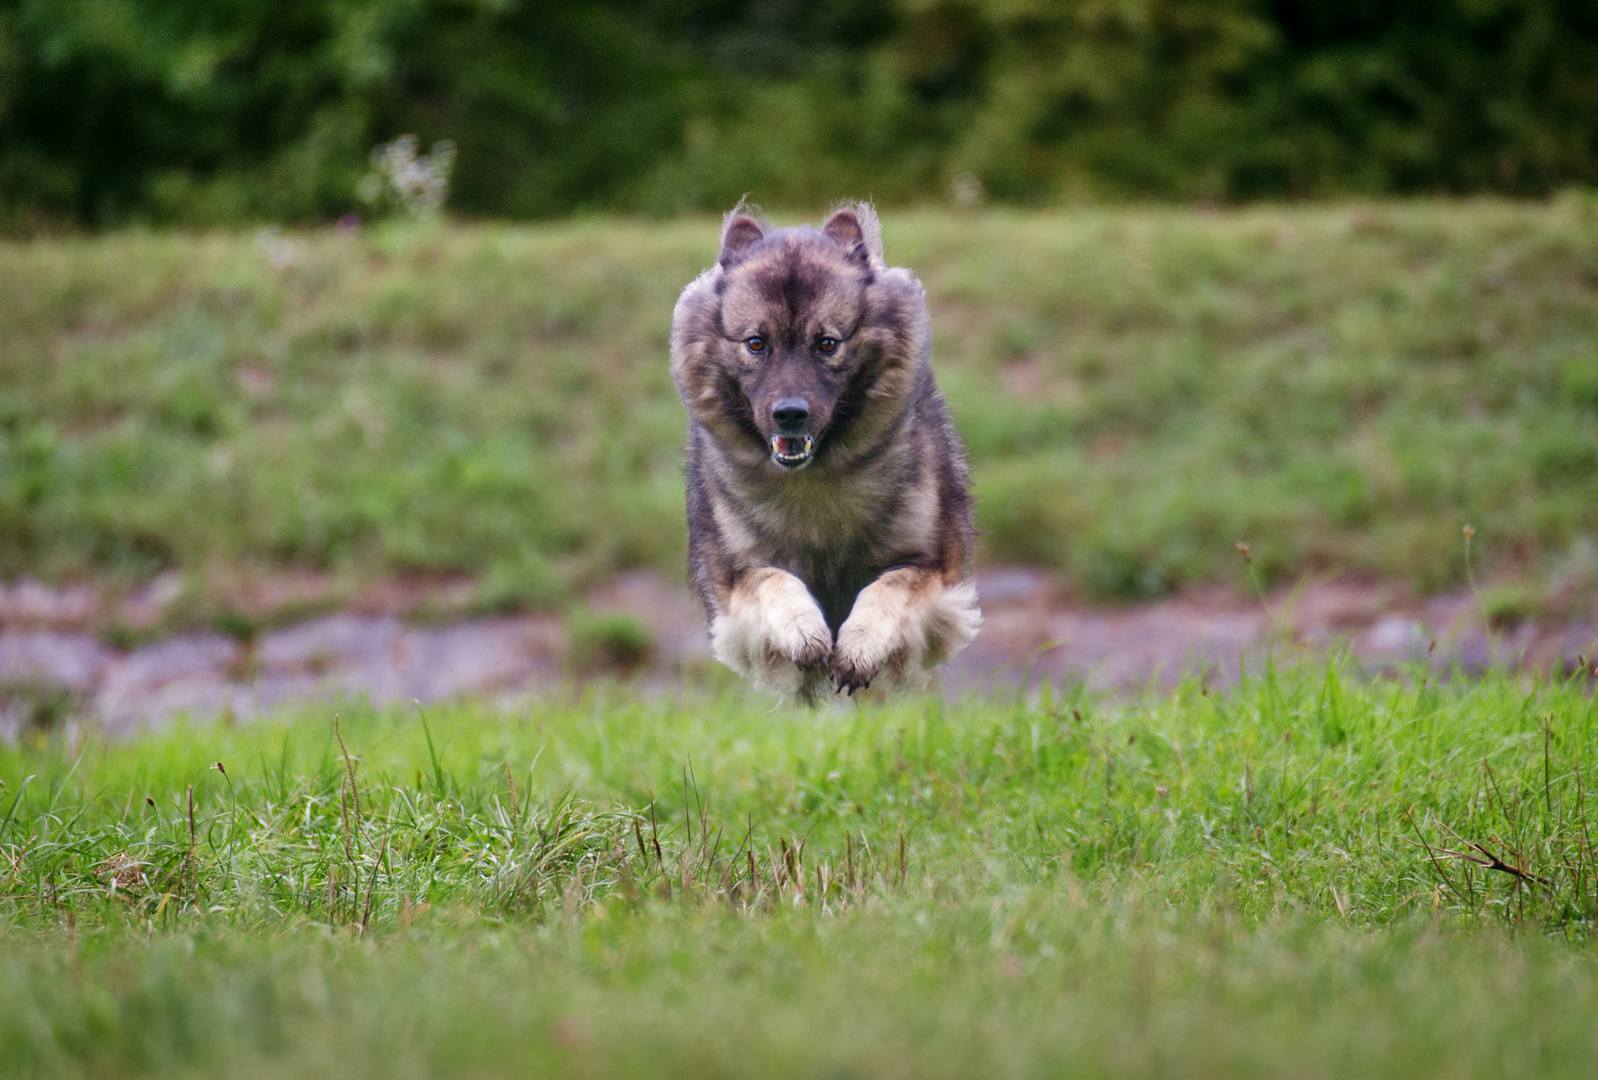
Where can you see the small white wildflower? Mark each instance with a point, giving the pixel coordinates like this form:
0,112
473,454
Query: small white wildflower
417,183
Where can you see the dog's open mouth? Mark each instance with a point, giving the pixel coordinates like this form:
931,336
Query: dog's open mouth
792,451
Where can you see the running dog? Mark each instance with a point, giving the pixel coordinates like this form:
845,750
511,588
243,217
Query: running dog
829,511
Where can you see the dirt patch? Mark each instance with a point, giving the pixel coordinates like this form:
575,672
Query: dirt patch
28,603
1031,631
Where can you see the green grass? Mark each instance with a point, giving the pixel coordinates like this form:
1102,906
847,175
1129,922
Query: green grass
1207,884
1342,386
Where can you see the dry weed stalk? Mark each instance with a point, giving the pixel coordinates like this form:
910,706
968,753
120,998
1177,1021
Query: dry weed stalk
1545,851
349,823
704,868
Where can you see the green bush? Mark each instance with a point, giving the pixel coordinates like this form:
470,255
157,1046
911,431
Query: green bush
202,111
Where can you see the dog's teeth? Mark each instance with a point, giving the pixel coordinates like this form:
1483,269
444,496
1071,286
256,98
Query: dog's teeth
792,449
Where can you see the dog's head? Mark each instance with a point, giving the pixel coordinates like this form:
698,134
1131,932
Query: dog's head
799,344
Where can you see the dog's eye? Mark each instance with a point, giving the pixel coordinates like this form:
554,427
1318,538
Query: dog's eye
755,344
828,344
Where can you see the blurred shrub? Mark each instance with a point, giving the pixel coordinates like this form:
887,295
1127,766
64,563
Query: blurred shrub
607,641
216,110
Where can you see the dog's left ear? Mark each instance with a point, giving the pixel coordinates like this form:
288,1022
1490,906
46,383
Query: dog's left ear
843,229
855,229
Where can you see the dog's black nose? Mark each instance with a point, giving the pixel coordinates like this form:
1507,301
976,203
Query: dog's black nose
790,413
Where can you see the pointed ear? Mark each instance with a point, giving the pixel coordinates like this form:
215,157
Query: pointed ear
855,228
843,228
737,236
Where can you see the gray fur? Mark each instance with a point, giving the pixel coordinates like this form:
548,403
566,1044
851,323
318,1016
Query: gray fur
884,488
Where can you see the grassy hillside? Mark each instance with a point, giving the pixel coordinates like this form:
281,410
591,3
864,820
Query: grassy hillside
1210,885
1344,387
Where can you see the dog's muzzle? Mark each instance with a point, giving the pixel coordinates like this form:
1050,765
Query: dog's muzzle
792,451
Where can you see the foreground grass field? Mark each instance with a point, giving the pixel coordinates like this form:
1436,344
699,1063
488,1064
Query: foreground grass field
1344,387
1239,883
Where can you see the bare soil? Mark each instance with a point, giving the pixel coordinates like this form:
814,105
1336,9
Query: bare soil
55,662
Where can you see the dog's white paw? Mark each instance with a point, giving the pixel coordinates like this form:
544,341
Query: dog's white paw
773,633
903,625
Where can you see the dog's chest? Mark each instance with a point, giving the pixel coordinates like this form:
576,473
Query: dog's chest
818,518
838,537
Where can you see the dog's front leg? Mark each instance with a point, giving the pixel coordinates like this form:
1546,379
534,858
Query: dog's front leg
903,625
772,631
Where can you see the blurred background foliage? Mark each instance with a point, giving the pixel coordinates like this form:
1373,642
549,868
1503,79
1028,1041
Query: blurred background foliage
209,111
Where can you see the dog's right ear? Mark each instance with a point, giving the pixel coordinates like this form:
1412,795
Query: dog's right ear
739,234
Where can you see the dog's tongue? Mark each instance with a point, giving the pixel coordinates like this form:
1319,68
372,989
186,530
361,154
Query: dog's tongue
790,445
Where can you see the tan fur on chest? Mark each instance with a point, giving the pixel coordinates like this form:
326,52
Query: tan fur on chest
817,511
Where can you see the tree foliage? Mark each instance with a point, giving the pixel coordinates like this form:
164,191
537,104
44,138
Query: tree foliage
217,110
